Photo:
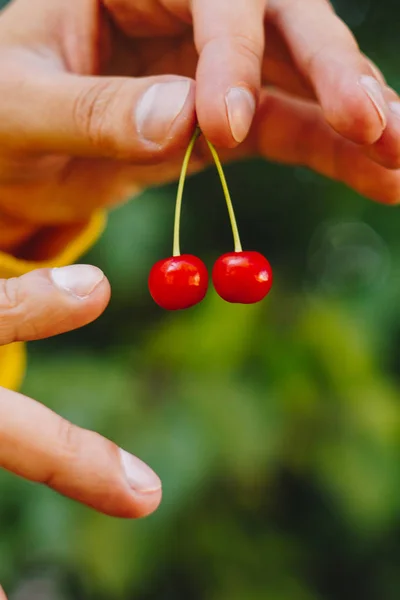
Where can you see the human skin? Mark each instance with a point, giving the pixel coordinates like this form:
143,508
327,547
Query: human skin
99,100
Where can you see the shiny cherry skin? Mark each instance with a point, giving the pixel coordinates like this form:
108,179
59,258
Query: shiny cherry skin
242,277
178,282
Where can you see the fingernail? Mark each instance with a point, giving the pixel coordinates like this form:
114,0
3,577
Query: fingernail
140,477
79,280
395,108
374,92
240,106
158,108
378,74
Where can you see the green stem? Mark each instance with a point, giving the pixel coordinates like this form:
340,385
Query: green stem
235,231
178,207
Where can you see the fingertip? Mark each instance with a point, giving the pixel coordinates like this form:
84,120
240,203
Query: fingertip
143,482
164,114
97,301
350,95
134,490
228,84
296,132
213,122
386,151
86,286
374,91
139,476
211,109
356,110
146,504
226,123
53,301
77,280
240,107
128,504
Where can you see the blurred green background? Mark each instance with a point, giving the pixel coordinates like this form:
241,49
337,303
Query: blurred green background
274,427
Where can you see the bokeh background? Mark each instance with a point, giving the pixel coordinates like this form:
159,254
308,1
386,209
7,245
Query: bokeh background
275,427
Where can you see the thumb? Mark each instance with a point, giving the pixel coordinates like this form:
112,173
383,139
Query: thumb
37,444
139,119
48,302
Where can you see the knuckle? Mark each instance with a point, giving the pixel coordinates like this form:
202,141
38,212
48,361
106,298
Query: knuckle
68,436
94,114
315,57
16,323
9,294
250,46
338,47
9,305
68,450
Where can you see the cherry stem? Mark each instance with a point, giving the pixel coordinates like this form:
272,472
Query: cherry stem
235,231
178,207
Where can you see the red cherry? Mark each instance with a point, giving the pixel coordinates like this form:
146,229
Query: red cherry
242,277
178,282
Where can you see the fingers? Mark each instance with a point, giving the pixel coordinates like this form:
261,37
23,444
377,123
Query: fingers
37,444
40,446
229,36
122,118
2,594
278,68
327,55
294,131
291,131
48,302
386,150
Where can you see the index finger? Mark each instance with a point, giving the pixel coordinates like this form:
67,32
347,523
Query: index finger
229,36
39,445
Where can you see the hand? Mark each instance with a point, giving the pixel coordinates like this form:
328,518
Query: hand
97,103
39,445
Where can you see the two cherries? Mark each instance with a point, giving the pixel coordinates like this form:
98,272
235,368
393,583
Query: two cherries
181,281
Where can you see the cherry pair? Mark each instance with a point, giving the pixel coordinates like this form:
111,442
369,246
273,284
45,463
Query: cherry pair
181,281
